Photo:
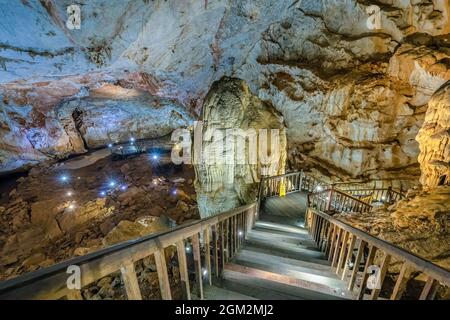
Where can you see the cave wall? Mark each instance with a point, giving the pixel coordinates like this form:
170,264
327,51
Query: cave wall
353,98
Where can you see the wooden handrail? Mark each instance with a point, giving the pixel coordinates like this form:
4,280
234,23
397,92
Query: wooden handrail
50,283
338,240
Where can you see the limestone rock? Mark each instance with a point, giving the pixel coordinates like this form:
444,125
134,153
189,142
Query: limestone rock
128,230
227,180
434,140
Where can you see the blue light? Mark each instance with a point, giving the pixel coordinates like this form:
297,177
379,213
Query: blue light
112,184
64,178
132,139
155,157
174,192
123,188
110,145
102,193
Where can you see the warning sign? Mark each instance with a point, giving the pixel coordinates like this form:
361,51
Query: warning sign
282,189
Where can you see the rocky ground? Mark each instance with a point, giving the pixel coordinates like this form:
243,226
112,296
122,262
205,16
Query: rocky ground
44,219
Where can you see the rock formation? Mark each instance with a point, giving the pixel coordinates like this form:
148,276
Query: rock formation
353,94
434,140
231,157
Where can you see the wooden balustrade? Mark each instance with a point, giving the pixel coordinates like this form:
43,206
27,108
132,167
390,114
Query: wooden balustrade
339,241
227,229
332,201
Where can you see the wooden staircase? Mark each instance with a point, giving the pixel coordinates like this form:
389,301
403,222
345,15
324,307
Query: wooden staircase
276,263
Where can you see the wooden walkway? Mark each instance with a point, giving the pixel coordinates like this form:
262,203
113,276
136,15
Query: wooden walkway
279,259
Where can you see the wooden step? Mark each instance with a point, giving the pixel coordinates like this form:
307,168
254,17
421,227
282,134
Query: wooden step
268,285
262,259
307,244
277,248
217,293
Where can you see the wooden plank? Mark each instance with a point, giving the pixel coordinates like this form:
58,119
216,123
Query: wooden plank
130,281
75,295
337,248
163,276
359,255
383,269
400,284
349,256
221,253
216,250
182,264
427,288
207,240
343,253
365,275
333,242
198,265
232,250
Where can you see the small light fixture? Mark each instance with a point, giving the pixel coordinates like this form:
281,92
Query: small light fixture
240,233
64,178
123,188
71,206
174,192
110,145
155,157
112,184
102,193
132,139
155,181
69,193
188,249
205,272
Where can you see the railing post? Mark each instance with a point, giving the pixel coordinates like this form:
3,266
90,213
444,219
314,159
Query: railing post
329,202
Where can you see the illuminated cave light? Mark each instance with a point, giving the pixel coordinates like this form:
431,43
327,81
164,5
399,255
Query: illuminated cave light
205,272
110,145
112,184
64,178
123,188
188,249
240,233
69,193
102,193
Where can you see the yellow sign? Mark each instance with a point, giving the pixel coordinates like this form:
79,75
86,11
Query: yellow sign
282,189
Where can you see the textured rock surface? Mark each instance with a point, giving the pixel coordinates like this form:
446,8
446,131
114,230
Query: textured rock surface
44,220
227,176
434,140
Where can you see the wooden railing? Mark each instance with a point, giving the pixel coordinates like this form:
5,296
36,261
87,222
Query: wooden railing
219,236
338,241
292,182
385,195
332,201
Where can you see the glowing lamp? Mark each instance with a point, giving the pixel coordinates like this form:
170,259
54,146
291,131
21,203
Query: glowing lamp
112,184
102,193
110,145
123,188
64,178
69,193
240,233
